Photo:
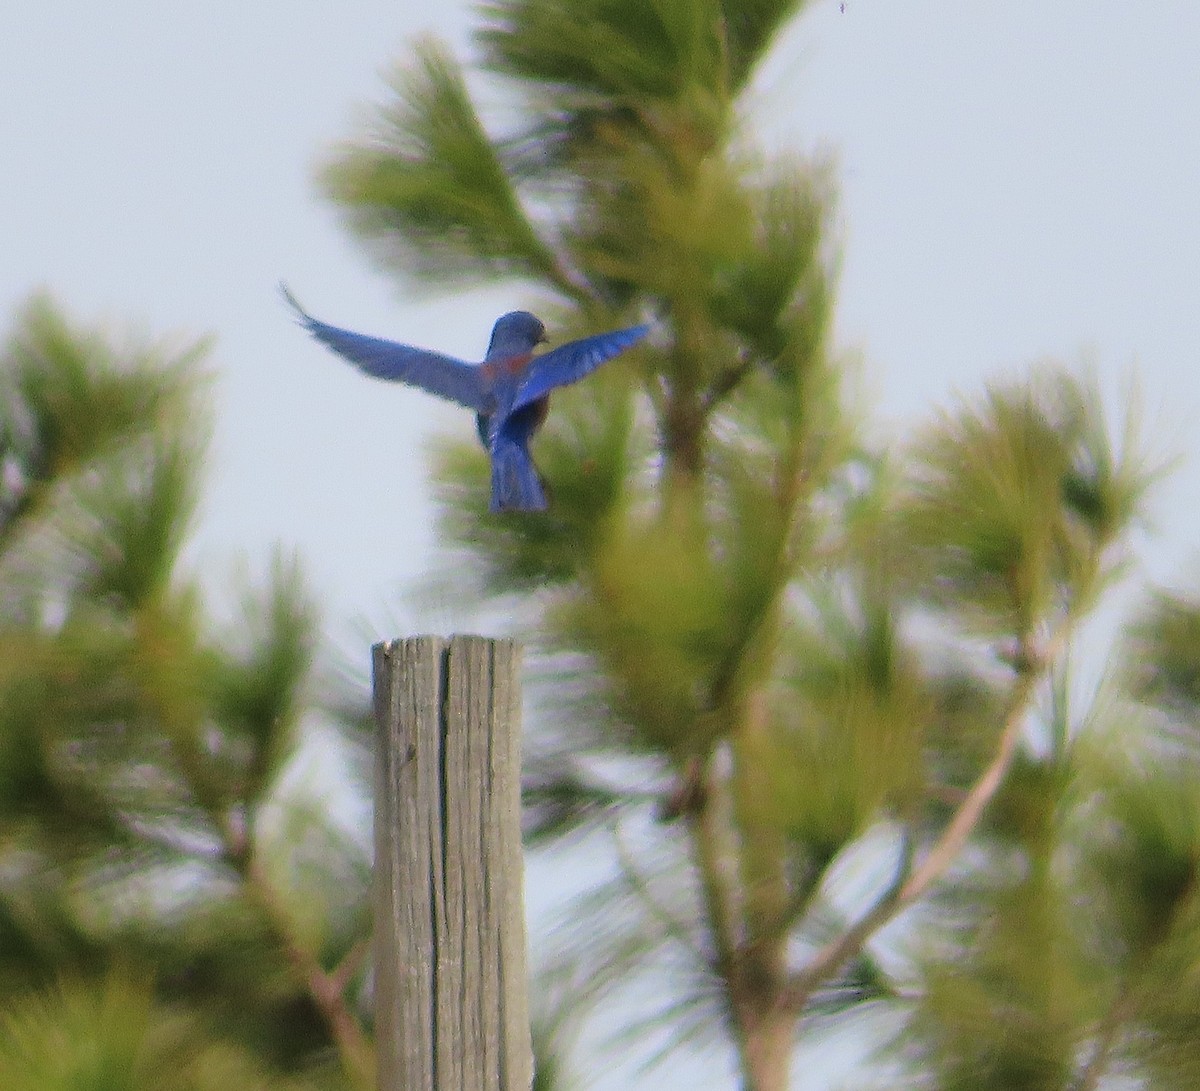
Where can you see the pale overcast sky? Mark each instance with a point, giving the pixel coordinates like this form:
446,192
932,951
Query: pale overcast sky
1019,180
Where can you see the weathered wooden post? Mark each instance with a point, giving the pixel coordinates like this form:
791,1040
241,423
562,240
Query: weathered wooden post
451,995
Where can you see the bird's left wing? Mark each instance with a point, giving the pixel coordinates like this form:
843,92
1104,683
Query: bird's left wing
572,361
431,371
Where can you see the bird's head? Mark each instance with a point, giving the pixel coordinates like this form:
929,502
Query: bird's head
515,334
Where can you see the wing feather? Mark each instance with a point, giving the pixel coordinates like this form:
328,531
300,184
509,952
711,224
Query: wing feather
444,376
571,362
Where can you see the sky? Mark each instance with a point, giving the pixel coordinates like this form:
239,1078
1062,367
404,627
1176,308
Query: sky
1018,181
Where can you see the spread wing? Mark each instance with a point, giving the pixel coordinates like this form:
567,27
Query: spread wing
441,375
572,361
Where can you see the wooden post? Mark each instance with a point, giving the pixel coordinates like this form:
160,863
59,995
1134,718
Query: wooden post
451,996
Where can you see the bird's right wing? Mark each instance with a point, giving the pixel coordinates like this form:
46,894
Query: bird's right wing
444,376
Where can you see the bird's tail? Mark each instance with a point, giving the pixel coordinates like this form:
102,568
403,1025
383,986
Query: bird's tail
516,485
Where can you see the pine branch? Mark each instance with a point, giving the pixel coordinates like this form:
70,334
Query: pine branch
429,187
1115,1018
836,954
707,834
346,970
640,886
1032,668
725,384
911,884
325,989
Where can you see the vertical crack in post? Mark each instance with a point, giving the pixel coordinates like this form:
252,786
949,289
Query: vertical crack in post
498,862
439,901
451,954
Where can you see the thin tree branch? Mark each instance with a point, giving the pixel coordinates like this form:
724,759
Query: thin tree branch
838,952
352,961
1115,1018
327,990
969,812
725,384
20,509
573,284
671,925
716,889
835,955
799,905
691,1023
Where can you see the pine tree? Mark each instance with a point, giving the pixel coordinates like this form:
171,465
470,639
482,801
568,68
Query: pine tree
812,688
170,913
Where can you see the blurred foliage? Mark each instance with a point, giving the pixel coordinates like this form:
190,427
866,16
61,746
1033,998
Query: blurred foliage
112,1036
143,749
1015,505
783,668
1164,667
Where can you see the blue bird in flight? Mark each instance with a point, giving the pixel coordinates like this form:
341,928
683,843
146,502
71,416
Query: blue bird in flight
509,391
